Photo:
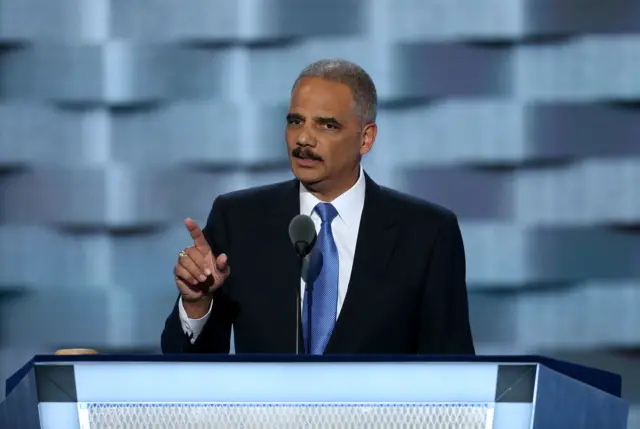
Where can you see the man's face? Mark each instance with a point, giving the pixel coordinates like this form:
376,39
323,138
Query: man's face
325,136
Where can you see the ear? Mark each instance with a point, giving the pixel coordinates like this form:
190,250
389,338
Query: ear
369,133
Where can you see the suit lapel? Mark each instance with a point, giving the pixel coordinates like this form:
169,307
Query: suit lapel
374,246
284,270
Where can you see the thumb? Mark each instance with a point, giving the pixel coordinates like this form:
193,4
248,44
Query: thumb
222,264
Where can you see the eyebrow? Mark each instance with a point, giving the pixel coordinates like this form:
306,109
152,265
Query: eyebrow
319,119
294,116
327,120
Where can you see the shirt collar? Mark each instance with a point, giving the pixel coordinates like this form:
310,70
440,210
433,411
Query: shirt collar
349,205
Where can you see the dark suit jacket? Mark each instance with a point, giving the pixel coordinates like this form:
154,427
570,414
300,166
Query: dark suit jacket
407,293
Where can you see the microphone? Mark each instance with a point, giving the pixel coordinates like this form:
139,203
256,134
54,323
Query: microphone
302,233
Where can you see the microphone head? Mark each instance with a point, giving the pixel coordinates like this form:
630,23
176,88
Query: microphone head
302,233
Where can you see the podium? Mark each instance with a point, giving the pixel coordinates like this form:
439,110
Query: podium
227,391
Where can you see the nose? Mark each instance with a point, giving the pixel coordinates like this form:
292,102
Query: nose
305,139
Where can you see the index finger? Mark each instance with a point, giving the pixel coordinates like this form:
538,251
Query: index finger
198,237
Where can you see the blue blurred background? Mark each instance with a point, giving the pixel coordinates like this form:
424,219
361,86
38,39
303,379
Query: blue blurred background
118,118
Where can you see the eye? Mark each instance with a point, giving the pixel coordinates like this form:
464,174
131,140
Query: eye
294,121
330,126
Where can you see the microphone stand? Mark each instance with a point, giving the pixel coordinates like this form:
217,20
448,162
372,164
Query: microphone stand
299,303
303,253
310,319
298,308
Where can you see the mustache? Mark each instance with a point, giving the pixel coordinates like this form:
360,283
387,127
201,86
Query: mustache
305,153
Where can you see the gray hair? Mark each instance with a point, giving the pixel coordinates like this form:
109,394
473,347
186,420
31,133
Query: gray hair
363,90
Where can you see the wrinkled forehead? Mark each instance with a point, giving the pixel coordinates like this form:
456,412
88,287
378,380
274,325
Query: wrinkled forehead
322,97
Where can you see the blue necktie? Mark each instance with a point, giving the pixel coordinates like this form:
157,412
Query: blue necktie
325,286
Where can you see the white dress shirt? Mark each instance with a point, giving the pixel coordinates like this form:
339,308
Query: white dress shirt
345,233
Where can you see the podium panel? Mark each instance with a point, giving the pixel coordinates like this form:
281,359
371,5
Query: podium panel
286,415
207,392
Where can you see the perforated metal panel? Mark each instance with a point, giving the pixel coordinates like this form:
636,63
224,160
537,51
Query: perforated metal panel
285,416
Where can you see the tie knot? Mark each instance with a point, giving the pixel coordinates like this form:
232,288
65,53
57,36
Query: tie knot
326,211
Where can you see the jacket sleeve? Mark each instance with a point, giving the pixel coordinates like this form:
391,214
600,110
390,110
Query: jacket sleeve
444,322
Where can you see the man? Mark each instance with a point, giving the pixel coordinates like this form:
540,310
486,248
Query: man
392,276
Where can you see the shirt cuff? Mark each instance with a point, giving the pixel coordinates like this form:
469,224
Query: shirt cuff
192,327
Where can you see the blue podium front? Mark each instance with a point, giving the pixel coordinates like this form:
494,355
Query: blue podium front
196,391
